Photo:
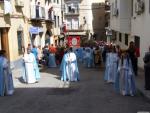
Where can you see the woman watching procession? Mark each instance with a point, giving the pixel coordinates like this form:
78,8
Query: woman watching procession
6,81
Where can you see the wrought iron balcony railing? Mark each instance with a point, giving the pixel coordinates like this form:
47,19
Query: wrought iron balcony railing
37,12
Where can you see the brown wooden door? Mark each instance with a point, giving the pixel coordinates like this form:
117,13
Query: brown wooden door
4,41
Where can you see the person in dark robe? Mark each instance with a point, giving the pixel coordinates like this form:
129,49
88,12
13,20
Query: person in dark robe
132,54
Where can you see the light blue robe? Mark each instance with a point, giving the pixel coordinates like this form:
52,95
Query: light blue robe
6,80
113,59
107,67
35,52
52,60
126,78
69,70
37,72
80,54
89,59
23,71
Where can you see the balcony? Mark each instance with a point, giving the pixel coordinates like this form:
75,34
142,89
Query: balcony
71,13
73,0
37,12
49,16
71,10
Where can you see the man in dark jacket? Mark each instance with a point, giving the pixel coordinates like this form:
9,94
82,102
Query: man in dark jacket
147,69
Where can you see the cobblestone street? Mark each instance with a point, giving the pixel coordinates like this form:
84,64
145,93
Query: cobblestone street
90,95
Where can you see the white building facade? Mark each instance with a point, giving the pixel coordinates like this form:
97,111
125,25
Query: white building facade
130,21
27,21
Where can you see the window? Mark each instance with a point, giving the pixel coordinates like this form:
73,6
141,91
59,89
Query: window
54,1
58,20
68,26
126,39
149,6
137,41
112,9
131,7
75,24
20,42
116,3
55,21
120,37
69,8
72,8
50,1
57,1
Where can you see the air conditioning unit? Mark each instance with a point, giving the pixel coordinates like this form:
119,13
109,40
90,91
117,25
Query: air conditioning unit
115,12
139,7
19,3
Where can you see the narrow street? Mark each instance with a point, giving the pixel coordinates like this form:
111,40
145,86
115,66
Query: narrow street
90,95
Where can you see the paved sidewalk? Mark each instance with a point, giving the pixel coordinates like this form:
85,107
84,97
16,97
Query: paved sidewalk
140,84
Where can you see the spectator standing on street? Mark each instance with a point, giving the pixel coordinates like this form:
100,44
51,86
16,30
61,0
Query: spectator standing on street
147,69
46,55
6,81
132,54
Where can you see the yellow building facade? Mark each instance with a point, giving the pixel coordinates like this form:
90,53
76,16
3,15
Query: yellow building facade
23,22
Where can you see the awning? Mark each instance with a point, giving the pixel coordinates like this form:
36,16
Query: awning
35,30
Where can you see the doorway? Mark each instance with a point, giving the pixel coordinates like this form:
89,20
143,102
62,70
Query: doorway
4,42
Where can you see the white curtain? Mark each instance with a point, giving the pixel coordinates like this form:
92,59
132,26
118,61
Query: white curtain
7,7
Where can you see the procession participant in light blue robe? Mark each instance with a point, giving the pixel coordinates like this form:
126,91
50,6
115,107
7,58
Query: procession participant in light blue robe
31,68
107,66
69,67
52,60
126,79
76,51
89,57
6,80
80,55
84,56
113,65
35,52
37,71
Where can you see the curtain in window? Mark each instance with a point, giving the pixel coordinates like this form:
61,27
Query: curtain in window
7,7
